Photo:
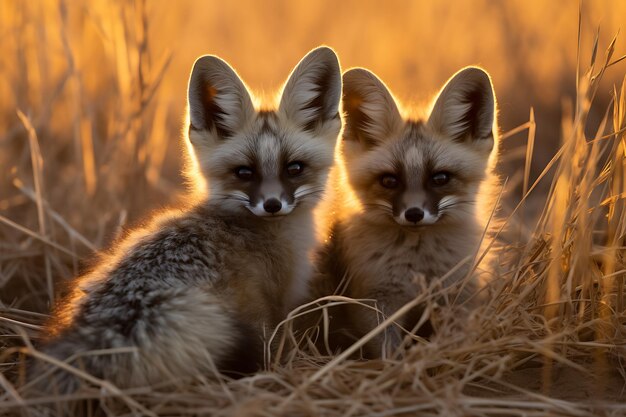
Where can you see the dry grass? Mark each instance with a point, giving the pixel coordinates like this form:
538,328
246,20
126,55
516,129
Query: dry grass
87,147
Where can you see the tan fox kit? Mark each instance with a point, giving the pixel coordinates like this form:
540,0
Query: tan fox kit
195,290
421,189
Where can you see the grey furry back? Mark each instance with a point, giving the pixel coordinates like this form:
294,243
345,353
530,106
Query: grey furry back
164,299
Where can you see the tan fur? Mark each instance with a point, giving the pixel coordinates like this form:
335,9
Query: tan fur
373,252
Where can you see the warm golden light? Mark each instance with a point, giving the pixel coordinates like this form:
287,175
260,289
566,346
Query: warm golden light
93,126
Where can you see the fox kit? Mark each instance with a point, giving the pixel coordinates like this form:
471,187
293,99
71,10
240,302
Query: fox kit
195,290
420,187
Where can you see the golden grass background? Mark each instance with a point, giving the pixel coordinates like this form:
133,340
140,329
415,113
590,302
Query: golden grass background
92,96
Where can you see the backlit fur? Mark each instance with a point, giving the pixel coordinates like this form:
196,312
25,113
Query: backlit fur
377,250
196,290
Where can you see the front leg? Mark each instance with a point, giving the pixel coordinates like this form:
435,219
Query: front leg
389,298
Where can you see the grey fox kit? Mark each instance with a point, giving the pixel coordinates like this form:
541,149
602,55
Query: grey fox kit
196,289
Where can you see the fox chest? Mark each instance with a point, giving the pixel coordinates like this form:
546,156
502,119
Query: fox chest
258,281
402,259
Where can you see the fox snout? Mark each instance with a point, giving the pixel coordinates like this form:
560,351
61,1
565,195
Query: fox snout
270,197
414,214
417,215
272,204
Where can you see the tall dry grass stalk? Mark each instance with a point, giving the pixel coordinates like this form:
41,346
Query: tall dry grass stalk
78,165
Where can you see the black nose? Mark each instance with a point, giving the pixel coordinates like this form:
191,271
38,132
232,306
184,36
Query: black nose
272,205
414,214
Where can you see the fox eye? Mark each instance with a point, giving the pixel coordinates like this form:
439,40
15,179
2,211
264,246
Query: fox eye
389,181
440,178
244,173
295,168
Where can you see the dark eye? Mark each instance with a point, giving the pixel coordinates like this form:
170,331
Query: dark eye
244,173
440,178
295,168
389,181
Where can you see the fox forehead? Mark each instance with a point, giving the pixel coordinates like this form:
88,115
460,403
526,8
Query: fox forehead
267,145
417,152
263,151
413,158
430,155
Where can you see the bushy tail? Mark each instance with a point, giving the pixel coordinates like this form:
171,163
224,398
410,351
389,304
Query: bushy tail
187,332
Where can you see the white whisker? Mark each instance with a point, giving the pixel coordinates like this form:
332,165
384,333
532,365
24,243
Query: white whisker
384,203
306,190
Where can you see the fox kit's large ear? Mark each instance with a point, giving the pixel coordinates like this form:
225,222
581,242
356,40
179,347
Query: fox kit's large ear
465,108
218,100
371,112
312,93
